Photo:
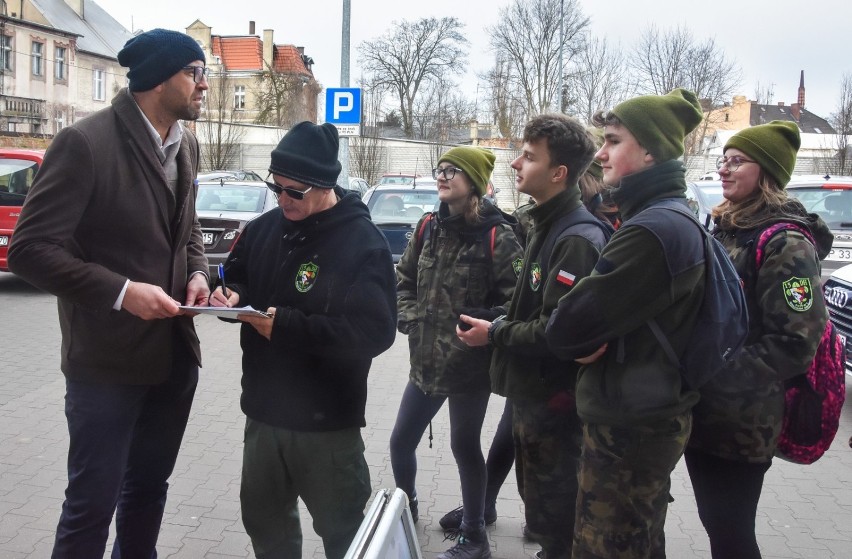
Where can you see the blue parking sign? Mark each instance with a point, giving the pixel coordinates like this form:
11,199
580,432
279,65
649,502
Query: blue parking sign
343,105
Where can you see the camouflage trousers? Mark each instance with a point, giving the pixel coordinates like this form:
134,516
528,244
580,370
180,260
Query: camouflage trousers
548,439
624,488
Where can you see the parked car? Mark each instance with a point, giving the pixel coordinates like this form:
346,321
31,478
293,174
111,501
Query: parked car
702,196
359,185
397,178
838,299
224,208
830,198
237,175
396,209
18,168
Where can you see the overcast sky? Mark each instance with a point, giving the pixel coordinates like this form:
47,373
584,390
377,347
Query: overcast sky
772,41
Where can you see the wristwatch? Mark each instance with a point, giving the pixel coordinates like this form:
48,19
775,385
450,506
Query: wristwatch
493,328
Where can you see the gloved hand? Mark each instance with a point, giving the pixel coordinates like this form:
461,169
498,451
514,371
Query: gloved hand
484,314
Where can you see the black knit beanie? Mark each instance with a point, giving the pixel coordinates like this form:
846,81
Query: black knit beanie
156,55
308,153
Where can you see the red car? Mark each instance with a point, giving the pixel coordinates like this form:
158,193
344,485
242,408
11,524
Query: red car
17,170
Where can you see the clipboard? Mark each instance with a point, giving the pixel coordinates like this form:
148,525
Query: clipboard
226,312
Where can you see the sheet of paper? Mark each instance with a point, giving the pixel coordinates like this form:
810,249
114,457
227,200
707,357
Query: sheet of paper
225,312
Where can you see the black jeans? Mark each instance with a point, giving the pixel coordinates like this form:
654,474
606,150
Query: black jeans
501,456
727,493
467,412
124,442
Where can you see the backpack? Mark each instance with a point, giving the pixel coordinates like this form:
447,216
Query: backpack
579,222
813,400
721,326
425,232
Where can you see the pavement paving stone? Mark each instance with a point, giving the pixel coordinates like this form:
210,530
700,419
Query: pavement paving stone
805,511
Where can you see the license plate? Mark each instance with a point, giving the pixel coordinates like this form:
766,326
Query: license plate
840,255
208,238
4,241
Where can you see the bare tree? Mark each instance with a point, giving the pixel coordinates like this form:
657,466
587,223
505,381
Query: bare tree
527,38
505,102
842,123
597,78
366,154
282,98
410,55
439,110
764,94
220,137
663,61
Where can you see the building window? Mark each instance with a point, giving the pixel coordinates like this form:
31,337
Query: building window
59,63
239,97
38,58
6,52
98,85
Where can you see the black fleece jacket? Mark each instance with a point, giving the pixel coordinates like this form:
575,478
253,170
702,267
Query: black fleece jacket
331,279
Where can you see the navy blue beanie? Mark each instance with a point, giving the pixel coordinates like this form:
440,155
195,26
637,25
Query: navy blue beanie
308,153
155,56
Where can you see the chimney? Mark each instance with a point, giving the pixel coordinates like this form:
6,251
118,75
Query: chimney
780,103
251,27
77,6
802,90
268,50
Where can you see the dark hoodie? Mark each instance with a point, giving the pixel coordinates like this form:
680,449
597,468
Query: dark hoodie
739,414
330,278
440,275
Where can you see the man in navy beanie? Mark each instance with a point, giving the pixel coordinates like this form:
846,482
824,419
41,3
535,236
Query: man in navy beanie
109,227
325,275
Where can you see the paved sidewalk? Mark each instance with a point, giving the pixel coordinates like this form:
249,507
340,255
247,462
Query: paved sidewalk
805,511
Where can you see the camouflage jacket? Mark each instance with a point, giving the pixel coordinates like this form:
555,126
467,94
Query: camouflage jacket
740,411
452,271
523,367
634,382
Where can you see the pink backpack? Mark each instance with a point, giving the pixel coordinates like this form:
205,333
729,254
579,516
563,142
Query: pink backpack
814,400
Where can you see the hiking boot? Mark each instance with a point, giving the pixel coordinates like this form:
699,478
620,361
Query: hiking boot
412,508
466,548
453,519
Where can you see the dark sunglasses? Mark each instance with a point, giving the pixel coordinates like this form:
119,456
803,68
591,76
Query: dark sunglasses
293,193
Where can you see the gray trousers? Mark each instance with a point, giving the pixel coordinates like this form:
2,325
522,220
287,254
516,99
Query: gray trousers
326,469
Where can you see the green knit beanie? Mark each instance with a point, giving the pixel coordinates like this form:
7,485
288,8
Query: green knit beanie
773,146
661,122
477,164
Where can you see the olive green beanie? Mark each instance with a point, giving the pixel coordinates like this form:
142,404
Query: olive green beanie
477,164
773,146
661,122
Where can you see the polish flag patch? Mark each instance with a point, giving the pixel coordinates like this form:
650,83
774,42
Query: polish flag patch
566,278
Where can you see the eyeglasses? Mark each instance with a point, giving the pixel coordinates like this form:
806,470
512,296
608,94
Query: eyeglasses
199,73
448,172
733,163
293,193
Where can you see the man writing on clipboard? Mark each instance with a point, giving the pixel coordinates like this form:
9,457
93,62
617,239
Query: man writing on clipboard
324,273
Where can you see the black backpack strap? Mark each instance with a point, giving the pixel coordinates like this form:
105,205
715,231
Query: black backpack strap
572,224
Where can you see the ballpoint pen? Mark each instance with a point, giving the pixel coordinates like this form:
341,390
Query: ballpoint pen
222,280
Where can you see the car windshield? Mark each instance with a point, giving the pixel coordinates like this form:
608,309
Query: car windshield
402,206
711,194
230,198
16,176
833,206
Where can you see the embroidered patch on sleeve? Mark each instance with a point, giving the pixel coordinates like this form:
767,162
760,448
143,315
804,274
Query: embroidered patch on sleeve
798,293
517,266
566,278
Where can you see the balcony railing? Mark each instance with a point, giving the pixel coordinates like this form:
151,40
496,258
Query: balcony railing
21,107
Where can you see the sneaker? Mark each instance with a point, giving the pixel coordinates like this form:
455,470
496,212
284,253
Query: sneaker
453,519
468,549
